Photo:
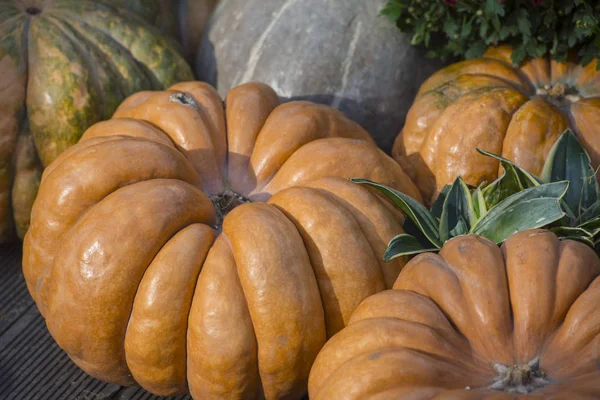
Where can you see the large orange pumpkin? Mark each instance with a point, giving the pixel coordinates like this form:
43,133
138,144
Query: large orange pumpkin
517,112
475,322
237,220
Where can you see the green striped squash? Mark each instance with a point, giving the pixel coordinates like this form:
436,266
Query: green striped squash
64,65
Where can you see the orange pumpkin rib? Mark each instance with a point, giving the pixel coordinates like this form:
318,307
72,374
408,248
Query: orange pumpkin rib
222,350
478,119
289,322
293,125
370,335
486,325
209,100
344,264
585,120
347,158
126,127
577,332
428,107
531,133
389,368
102,264
189,127
480,66
155,341
84,179
248,107
378,220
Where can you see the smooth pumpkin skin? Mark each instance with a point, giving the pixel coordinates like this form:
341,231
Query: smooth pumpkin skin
451,315
64,69
136,284
491,104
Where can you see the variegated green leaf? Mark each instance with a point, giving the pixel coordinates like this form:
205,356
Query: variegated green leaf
513,180
529,209
436,208
404,245
458,214
414,210
479,204
568,160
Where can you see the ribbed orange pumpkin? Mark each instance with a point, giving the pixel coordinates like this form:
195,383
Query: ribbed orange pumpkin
475,322
517,112
126,245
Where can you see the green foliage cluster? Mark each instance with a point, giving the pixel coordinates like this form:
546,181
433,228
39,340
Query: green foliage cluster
534,28
565,199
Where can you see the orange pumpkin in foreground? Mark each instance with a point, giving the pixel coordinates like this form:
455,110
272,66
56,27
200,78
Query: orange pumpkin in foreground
475,322
516,112
185,245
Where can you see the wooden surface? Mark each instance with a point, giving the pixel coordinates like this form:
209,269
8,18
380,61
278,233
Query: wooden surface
32,366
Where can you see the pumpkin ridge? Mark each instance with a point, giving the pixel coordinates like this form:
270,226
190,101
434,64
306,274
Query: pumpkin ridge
111,365
197,381
142,304
310,209
531,86
134,31
153,147
57,117
121,57
151,79
344,206
90,60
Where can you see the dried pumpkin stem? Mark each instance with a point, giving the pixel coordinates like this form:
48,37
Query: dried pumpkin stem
224,203
559,94
519,378
185,99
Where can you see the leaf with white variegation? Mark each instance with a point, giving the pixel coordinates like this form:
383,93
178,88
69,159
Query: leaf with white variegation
414,210
512,180
529,209
568,160
458,214
404,245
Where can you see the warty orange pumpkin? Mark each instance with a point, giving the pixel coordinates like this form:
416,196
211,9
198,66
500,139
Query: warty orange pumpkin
184,244
475,322
516,112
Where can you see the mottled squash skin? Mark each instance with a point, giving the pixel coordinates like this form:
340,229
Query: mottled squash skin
517,112
126,245
455,319
65,65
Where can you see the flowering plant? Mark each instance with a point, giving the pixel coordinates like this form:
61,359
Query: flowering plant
534,28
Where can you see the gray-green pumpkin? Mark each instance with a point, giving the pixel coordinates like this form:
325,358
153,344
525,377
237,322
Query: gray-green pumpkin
338,52
64,65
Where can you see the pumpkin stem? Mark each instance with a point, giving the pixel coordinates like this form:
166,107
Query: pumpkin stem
224,203
559,94
519,378
185,99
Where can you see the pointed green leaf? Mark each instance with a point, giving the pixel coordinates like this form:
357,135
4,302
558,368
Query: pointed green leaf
436,208
414,210
578,234
479,203
569,231
590,213
532,208
513,180
568,160
404,245
591,224
458,214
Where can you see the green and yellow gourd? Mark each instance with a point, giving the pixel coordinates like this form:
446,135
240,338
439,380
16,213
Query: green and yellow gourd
65,65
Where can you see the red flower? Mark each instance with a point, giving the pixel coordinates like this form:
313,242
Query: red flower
450,2
537,2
